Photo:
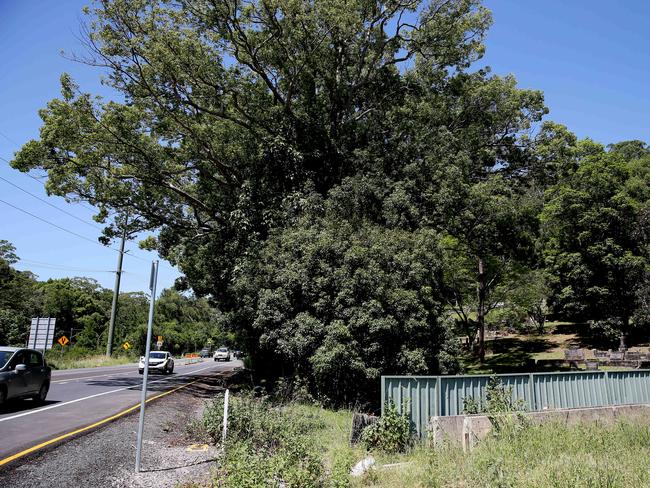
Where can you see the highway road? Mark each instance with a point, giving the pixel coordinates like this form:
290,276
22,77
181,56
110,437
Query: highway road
84,397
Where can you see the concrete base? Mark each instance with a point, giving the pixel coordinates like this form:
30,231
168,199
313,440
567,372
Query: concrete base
468,430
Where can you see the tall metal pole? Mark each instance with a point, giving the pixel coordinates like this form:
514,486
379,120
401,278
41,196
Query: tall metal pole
152,286
116,293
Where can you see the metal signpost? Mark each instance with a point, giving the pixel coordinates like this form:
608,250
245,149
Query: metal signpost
41,333
152,286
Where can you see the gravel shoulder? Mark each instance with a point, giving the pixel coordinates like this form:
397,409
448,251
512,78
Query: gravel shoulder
105,457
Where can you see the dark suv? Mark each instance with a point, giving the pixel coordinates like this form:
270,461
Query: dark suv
23,374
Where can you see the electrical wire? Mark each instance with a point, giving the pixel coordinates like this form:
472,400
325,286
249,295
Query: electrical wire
82,204
58,226
126,253
62,267
9,138
51,204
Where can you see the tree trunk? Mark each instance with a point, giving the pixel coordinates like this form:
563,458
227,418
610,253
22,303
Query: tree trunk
480,312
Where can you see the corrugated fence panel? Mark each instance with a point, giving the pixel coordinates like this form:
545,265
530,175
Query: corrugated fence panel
426,396
455,389
570,390
417,394
629,387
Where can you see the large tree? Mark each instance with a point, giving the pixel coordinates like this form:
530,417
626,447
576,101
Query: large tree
235,114
596,228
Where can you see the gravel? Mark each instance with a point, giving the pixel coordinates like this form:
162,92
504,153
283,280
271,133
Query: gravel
171,455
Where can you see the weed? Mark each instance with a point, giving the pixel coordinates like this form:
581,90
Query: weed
391,433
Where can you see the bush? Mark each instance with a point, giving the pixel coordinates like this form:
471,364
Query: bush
267,444
391,433
502,410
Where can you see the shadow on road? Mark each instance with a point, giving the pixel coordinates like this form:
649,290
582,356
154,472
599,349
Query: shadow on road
205,387
13,406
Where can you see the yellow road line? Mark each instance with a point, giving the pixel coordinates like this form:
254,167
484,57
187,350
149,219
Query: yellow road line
88,427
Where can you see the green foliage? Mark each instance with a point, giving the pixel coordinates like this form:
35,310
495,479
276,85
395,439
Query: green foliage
505,412
341,306
82,307
546,456
596,231
267,443
392,433
498,399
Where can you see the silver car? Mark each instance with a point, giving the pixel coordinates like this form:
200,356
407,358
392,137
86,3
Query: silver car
23,374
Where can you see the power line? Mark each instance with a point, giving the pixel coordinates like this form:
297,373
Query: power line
9,139
126,253
58,226
62,267
43,184
51,204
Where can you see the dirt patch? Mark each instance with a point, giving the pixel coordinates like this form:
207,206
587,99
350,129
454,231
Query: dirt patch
172,454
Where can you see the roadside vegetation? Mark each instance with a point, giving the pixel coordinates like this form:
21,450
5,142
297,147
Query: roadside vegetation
57,360
273,442
82,310
546,456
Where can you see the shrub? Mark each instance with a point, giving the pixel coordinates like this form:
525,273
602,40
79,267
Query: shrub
268,444
499,406
391,433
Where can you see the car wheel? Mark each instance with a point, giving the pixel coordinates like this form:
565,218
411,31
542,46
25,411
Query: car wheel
171,370
42,393
215,359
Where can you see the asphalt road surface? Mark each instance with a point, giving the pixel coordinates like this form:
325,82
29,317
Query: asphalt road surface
83,397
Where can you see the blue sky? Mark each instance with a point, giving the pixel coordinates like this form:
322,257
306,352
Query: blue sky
590,58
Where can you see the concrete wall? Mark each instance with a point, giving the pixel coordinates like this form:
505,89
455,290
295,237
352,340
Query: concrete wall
468,430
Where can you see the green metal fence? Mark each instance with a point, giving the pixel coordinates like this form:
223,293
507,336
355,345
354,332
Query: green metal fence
427,396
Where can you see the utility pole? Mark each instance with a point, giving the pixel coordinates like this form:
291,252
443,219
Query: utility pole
116,293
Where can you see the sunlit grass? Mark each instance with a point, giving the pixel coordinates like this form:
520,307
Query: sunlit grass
93,361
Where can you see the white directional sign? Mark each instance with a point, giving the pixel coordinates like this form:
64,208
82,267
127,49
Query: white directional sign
41,334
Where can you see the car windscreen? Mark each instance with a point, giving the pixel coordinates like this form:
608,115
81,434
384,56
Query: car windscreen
4,357
222,349
156,355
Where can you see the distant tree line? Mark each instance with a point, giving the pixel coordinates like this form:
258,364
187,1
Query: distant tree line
82,309
345,184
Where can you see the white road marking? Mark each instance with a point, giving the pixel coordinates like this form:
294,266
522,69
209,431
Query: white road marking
24,414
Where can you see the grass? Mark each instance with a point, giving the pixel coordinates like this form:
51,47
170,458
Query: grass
546,456
542,456
93,361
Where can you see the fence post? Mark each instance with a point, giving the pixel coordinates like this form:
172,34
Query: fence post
383,394
531,393
438,396
225,419
608,395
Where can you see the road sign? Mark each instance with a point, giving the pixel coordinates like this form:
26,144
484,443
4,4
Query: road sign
126,346
209,341
63,340
41,333
159,344
160,338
